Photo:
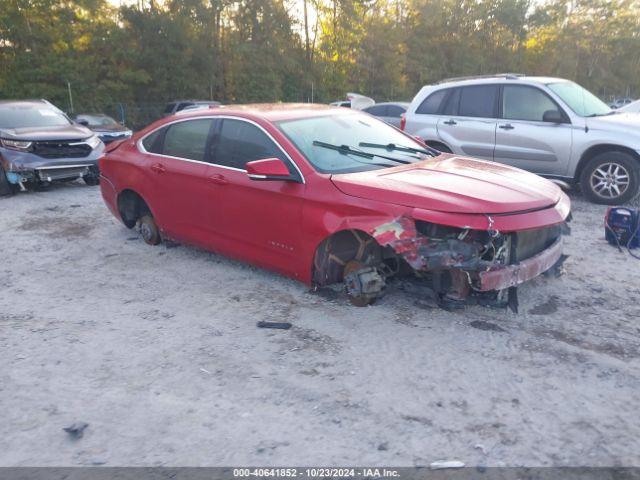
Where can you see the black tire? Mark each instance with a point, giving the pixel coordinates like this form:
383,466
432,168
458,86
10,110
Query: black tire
149,230
91,180
6,188
611,178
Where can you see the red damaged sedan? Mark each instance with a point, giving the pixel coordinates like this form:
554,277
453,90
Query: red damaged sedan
328,195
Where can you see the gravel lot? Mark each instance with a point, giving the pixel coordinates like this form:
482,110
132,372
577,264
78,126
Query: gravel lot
158,350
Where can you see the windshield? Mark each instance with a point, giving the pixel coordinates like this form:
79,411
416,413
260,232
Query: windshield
580,100
25,116
97,120
351,130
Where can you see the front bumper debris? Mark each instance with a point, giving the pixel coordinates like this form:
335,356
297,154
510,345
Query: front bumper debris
465,264
501,277
64,172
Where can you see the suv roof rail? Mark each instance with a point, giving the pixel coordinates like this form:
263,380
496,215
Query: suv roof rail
508,76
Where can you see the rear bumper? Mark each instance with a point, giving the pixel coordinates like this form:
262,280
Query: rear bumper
110,196
500,277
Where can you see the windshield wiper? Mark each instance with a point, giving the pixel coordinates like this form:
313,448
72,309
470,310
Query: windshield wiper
398,148
346,149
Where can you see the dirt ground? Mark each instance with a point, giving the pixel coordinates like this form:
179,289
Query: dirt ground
157,349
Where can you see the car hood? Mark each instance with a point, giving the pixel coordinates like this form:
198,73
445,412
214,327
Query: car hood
627,122
453,184
65,132
108,128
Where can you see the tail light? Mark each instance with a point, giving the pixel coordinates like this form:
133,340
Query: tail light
403,121
110,147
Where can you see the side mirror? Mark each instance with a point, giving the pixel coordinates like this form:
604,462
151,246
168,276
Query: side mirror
553,116
268,169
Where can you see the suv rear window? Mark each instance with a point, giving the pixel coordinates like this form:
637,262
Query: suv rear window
478,101
431,104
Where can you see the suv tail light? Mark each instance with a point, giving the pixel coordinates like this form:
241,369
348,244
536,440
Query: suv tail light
403,121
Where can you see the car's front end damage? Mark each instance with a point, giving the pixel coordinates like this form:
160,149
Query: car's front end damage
467,259
28,164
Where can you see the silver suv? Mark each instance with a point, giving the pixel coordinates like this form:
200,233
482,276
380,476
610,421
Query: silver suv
549,126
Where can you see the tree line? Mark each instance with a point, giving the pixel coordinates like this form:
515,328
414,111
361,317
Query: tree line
97,55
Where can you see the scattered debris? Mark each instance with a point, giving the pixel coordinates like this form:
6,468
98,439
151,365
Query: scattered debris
546,308
204,370
486,326
440,464
481,447
76,429
383,447
278,325
328,293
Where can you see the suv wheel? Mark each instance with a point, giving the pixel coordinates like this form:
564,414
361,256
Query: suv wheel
6,188
91,180
610,178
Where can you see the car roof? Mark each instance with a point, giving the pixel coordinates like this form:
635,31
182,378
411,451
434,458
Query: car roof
192,101
273,112
401,104
24,103
500,78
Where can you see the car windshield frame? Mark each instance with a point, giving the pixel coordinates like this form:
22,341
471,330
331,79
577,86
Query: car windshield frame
10,115
348,129
580,100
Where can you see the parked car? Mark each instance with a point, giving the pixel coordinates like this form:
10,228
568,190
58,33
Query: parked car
39,144
179,105
633,107
620,102
326,195
355,101
104,126
549,126
390,112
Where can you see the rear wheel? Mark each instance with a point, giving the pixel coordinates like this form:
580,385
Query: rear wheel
610,178
149,230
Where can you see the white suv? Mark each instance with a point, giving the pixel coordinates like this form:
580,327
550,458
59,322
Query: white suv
549,126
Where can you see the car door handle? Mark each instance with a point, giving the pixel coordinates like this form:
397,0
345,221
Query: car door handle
158,168
506,126
450,122
218,179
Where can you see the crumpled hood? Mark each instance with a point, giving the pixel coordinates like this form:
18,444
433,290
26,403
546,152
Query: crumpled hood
628,123
453,184
65,132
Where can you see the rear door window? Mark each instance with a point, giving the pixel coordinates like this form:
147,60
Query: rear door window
451,102
377,110
187,139
153,143
239,142
478,101
395,111
525,103
432,104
